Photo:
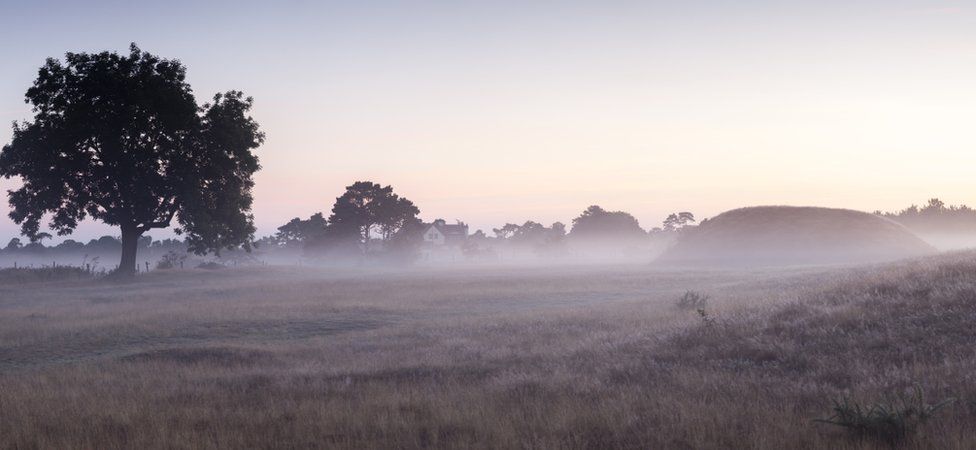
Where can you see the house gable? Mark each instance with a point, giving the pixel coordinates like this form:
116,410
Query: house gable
432,234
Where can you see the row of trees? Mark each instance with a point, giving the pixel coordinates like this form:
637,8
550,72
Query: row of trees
367,218
372,220
935,217
104,244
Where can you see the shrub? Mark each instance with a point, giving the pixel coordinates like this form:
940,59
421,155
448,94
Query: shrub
692,301
887,421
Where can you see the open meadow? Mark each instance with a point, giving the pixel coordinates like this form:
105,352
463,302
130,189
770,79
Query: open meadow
478,357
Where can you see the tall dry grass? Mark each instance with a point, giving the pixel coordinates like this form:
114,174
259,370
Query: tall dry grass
516,358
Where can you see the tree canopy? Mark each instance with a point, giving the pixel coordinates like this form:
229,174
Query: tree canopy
368,211
598,223
677,221
368,207
532,234
121,139
298,231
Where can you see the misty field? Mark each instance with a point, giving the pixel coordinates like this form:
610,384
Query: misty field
571,357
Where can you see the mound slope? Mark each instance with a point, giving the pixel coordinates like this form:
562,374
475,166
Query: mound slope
778,235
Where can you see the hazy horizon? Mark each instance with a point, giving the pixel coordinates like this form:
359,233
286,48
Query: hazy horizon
510,112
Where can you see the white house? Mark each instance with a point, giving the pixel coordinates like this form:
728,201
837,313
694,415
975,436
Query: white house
439,233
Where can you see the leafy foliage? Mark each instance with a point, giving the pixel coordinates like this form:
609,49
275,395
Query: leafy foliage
596,222
367,212
121,139
677,221
367,207
299,232
533,235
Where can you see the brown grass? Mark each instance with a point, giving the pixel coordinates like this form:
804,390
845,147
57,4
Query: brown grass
515,358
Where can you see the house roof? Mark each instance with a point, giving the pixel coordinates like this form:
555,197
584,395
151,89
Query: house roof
450,230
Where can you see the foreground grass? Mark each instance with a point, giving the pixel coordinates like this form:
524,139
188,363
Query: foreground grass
576,358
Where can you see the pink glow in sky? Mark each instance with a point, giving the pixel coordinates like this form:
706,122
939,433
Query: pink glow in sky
506,112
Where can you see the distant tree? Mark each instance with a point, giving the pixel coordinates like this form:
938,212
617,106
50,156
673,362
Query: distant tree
366,208
598,223
170,245
934,206
403,245
40,237
529,233
70,245
506,231
14,245
394,214
678,221
34,247
121,139
936,218
478,246
298,231
557,232
104,244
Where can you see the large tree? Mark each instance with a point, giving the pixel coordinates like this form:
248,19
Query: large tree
367,208
121,139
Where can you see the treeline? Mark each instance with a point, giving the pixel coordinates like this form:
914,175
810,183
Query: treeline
936,217
372,221
102,245
95,254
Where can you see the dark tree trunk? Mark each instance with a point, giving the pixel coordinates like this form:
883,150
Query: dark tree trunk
130,242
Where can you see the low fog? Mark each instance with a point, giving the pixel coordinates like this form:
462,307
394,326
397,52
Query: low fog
371,322
747,237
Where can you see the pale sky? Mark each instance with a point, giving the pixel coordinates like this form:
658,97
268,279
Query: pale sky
495,112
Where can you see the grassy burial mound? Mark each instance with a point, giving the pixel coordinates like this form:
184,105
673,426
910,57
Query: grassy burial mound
776,235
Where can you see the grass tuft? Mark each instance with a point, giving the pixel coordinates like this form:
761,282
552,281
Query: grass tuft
887,421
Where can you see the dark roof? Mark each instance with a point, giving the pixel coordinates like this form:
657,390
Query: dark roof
449,230
459,229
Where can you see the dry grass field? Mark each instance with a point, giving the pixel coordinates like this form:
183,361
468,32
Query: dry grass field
574,357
